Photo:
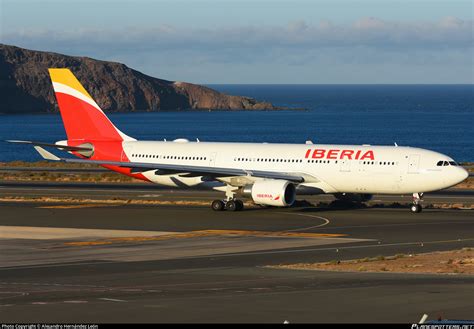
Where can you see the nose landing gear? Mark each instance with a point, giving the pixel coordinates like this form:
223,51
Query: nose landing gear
417,200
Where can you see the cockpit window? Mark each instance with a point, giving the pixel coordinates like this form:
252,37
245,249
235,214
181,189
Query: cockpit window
446,163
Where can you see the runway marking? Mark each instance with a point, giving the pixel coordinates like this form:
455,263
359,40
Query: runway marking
75,301
52,284
204,233
13,294
404,224
326,222
239,254
419,243
113,300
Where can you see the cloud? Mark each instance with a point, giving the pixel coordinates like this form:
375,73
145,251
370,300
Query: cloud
369,40
370,31
370,23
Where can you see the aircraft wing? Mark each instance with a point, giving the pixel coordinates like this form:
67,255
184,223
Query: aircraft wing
165,169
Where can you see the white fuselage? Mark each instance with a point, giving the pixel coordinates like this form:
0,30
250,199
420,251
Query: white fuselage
345,169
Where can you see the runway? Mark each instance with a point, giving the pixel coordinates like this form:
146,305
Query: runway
143,191
134,263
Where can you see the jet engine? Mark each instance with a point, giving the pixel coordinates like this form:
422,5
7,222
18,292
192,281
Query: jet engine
353,197
279,193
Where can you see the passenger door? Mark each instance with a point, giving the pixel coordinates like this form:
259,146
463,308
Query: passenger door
345,166
212,160
413,163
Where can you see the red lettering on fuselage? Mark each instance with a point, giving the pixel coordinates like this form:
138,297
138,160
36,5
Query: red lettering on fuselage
319,153
334,154
347,153
368,155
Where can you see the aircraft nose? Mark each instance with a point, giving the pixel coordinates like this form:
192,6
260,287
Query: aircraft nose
461,174
464,174
454,176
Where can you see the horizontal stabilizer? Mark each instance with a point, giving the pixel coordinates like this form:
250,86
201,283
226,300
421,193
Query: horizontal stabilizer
45,154
60,147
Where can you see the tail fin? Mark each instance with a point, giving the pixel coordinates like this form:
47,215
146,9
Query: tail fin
82,117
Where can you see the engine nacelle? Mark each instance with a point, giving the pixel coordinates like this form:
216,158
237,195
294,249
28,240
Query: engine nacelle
279,193
353,197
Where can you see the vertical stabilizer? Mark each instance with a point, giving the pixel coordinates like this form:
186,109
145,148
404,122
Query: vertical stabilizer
83,119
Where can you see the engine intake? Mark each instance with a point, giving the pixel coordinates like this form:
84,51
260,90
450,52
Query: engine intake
279,193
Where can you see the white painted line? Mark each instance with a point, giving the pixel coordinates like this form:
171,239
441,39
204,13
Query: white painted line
246,253
404,224
329,248
75,301
326,221
113,300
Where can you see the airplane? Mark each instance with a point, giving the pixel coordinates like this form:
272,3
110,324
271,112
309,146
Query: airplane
269,174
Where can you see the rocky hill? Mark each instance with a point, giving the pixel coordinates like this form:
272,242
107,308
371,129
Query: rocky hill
25,86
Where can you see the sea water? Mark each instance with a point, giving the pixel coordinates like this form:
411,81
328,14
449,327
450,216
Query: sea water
435,117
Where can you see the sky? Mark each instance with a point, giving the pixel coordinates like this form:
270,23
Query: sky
258,41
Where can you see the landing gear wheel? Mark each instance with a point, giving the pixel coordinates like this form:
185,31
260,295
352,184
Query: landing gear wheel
231,205
239,204
217,205
416,208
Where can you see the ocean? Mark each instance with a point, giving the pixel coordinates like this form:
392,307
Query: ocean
435,117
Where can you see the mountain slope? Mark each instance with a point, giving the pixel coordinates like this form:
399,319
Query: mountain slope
25,86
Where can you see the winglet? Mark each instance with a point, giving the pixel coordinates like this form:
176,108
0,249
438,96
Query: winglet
45,154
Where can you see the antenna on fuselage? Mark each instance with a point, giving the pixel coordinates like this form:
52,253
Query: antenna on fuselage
396,145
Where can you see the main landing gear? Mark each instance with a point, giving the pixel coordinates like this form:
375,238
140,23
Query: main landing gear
230,203
417,200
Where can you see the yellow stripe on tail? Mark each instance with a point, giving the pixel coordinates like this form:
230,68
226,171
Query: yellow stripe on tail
65,77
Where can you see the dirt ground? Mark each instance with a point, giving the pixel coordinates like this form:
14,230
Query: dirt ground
443,262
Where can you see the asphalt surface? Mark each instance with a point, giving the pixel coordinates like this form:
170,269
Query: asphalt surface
89,263
144,191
